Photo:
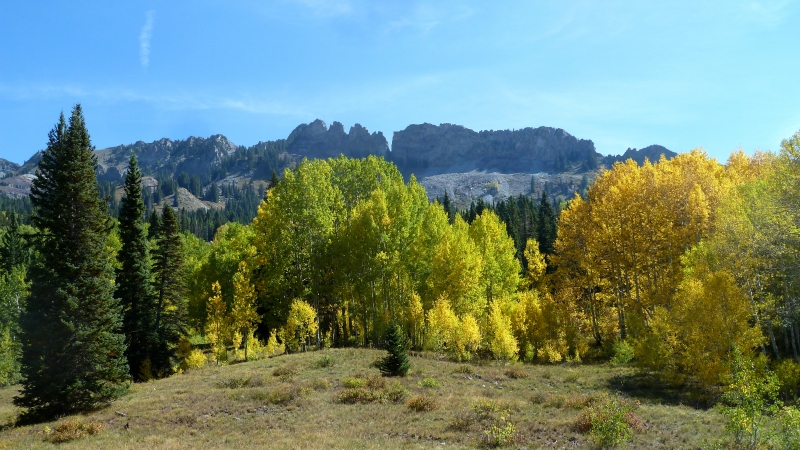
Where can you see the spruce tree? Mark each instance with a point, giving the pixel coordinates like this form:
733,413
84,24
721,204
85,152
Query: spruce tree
395,364
170,322
546,230
274,180
134,290
13,249
73,350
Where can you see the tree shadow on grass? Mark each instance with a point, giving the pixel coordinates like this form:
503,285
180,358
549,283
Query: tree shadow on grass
650,388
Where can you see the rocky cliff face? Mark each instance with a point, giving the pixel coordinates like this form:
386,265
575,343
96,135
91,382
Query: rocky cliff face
316,140
192,155
7,167
430,149
652,152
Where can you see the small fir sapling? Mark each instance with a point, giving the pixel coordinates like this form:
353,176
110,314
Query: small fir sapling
396,363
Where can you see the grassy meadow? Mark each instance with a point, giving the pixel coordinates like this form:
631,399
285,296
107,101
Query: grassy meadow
336,399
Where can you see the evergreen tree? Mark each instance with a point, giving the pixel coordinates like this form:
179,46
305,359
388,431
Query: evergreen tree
171,308
155,225
134,290
274,180
13,249
546,229
396,363
73,351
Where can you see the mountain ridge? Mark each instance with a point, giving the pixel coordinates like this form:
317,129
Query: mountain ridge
428,151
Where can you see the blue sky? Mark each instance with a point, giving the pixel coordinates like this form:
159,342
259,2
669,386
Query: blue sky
720,75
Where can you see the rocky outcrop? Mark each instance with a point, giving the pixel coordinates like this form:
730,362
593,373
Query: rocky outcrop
192,155
430,149
316,140
652,152
7,167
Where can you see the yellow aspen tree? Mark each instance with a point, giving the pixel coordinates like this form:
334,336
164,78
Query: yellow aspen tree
502,343
536,263
415,319
300,326
244,316
469,338
217,324
500,271
442,326
456,271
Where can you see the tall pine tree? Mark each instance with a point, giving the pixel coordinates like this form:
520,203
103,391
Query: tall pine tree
13,249
134,290
547,229
170,322
72,347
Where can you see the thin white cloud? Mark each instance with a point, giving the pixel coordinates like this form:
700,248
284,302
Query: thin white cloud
767,12
144,38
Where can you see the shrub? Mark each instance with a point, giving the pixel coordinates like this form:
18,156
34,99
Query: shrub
395,393
749,400
285,373
358,395
789,437
429,383
72,429
241,382
320,384
610,422
465,369
462,421
323,362
195,360
484,409
517,373
502,432
422,403
579,401
282,396
375,381
353,382
788,373
622,353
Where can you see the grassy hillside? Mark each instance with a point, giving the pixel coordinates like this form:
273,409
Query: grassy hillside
300,401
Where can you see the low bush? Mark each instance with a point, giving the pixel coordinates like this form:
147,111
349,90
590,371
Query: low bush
395,393
788,373
502,432
358,395
465,369
285,373
462,421
353,382
72,429
323,362
610,422
375,381
195,359
282,396
320,384
422,403
621,353
484,409
789,437
241,382
429,383
516,373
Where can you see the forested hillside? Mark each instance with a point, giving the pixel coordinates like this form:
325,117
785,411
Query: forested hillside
685,268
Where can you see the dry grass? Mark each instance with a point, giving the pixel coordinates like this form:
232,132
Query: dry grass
245,406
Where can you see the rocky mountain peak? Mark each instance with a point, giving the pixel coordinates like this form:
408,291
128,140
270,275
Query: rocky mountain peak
316,140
